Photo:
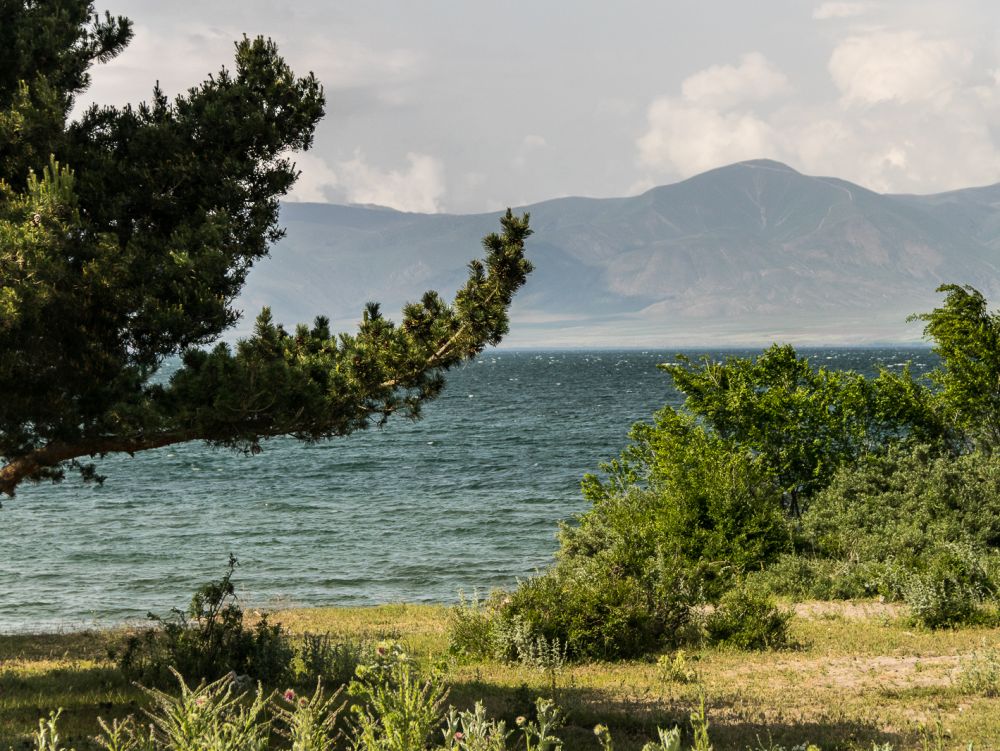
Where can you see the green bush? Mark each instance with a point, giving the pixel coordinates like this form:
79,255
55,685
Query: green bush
748,619
905,503
469,628
809,577
208,641
593,612
979,673
332,663
948,589
682,492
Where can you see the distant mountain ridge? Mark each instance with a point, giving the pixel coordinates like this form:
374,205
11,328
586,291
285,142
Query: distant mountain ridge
744,254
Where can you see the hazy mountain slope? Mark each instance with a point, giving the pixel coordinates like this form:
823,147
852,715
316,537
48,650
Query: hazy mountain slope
746,253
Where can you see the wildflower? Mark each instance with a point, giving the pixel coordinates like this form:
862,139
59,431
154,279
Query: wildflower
521,721
459,735
289,695
380,651
199,701
303,702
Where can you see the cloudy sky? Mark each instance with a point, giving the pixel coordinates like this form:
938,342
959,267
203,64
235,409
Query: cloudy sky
466,106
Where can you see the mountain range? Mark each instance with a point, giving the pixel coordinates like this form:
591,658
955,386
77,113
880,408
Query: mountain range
745,254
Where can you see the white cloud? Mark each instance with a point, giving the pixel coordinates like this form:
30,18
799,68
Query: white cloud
532,141
828,11
316,179
420,187
686,138
707,126
194,53
913,115
755,79
129,78
900,66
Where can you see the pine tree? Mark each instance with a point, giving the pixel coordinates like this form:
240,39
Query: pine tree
126,236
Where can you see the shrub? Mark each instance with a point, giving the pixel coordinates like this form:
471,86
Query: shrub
979,673
322,659
398,711
810,577
595,614
681,492
469,628
948,589
208,641
905,503
747,619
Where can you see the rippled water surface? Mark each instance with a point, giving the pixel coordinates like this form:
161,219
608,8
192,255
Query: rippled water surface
469,497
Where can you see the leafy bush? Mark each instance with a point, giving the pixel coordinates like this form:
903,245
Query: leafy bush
905,503
681,492
208,641
321,659
948,589
979,673
469,628
747,619
804,577
594,613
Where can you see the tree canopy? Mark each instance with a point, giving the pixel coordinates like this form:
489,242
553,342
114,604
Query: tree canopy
126,235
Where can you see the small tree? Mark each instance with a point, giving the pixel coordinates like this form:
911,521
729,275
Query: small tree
126,236
966,336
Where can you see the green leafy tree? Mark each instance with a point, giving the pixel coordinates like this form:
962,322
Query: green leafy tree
126,236
803,422
966,336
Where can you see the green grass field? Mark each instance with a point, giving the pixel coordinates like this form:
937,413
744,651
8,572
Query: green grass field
858,675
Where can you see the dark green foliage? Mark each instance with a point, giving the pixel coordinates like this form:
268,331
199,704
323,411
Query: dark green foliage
596,613
967,337
802,422
812,483
903,503
709,506
469,628
947,587
810,577
126,236
209,640
330,662
749,620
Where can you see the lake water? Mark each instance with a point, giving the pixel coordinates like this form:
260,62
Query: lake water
468,498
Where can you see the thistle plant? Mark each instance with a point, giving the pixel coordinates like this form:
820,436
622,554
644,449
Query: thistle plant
47,735
211,717
538,736
699,727
125,735
309,723
670,740
473,731
398,711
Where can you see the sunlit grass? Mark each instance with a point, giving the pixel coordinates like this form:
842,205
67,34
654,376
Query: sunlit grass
856,676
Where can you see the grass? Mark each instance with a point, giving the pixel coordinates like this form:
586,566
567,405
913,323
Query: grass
858,675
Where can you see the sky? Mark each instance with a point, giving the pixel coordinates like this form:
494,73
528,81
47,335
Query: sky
464,106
